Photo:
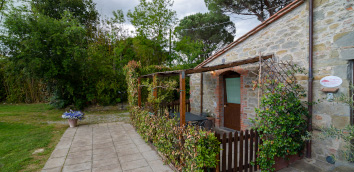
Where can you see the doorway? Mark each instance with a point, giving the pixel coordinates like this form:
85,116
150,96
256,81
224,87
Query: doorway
232,100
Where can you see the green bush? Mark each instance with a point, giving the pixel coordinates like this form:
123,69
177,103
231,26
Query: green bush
188,149
281,124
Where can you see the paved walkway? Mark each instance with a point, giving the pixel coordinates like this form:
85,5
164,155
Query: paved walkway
313,165
108,147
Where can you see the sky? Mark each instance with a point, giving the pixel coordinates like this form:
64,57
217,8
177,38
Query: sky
182,7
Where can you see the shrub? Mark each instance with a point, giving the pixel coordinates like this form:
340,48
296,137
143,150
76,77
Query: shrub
281,124
188,149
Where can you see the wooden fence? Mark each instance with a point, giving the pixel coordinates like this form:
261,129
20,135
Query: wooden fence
238,150
174,106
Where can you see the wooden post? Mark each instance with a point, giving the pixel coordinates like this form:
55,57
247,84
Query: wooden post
154,84
182,98
259,78
201,92
139,92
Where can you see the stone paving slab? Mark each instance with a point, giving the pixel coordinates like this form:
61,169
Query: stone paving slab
316,165
110,147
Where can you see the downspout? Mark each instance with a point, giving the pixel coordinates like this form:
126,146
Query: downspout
310,80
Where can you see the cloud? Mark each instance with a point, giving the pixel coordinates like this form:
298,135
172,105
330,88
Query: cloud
106,7
182,7
188,7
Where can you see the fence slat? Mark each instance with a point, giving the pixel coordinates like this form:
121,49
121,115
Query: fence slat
241,152
224,152
229,161
235,151
239,149
251,148
246,151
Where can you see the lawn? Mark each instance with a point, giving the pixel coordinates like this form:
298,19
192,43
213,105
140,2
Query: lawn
27,128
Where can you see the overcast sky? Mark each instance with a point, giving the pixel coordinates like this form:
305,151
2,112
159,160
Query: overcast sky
182,7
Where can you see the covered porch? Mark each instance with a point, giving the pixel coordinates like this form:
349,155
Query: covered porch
186,110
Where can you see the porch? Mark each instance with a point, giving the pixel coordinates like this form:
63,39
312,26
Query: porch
238,148
183,105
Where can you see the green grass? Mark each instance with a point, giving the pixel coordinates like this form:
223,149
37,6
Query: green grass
18,141
25,128
29,113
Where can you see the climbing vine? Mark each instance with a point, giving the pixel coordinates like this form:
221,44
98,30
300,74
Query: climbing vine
281,117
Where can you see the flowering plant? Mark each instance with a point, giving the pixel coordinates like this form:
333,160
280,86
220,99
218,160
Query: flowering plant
73,115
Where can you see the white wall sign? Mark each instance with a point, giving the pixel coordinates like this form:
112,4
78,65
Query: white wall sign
331,81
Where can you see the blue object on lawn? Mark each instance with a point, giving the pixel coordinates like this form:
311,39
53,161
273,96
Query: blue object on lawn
73,115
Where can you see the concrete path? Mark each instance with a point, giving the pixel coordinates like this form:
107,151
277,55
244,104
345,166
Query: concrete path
313,165
108,147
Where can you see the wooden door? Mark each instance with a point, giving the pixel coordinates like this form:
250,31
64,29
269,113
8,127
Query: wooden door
232,101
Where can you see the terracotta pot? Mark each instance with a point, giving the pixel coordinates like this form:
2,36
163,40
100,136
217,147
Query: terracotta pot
281,163
72,122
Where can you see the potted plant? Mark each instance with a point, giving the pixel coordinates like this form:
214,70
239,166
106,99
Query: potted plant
72,117
209,115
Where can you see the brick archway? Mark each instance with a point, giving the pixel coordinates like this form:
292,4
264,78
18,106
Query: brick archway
219,92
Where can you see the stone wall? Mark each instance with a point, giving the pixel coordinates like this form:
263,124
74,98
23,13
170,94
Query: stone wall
287,39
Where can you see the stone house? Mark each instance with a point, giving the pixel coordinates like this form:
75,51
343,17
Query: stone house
285,35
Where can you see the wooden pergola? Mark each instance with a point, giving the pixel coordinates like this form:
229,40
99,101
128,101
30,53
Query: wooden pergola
182,75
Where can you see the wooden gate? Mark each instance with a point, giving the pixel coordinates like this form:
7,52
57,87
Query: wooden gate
238,149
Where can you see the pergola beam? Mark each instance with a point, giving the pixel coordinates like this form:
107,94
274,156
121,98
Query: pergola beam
228,65
211,68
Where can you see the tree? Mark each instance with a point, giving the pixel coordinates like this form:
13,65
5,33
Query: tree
4,5
114,26
213,30
188,52
263,9
82,10
154,19
53,50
